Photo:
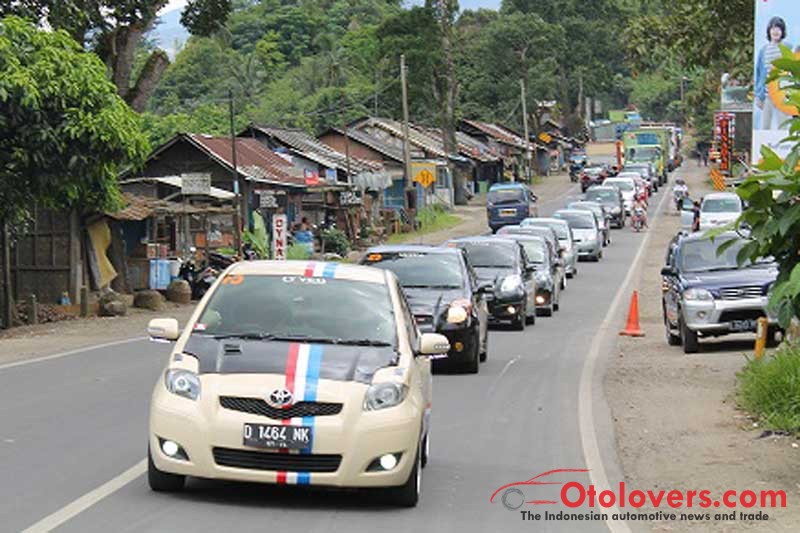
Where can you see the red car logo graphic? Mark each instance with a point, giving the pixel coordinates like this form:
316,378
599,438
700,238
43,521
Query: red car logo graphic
513,497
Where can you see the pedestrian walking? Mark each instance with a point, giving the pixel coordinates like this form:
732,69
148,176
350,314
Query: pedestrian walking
705,157
696,216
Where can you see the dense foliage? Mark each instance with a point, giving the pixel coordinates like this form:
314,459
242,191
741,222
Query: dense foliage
323,63
64,131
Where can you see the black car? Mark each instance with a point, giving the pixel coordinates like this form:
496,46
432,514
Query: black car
611,199
593,175
444,295
502,264
547,273
708,295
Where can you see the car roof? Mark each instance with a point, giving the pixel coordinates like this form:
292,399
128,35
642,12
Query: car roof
415,248
587,203
602,188
546,220
480,238
582,212
701,236
502,186
309,269
717,195
618,178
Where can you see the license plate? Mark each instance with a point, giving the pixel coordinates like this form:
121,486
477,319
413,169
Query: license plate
273,436
743,325
508,212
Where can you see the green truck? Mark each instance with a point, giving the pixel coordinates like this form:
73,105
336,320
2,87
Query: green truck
650,145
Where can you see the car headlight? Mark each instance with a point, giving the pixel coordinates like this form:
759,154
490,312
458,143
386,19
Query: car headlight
458,311
695,295
384,395
511,283
183,383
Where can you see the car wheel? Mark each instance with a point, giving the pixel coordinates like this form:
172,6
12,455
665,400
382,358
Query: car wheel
426,449
689,339
473,361
162,481
407,494
485,351
772,338
672,338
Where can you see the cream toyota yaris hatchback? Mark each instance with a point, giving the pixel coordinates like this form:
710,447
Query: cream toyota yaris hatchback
295,372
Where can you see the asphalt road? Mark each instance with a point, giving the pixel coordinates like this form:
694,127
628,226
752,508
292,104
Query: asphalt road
69,425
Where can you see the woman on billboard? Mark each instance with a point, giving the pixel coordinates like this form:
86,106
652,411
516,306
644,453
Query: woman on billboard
771,116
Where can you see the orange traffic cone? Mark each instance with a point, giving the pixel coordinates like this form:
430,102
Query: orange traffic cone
632,328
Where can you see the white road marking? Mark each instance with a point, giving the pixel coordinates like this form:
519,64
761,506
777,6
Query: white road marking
591,449
500,376
73,509
70,352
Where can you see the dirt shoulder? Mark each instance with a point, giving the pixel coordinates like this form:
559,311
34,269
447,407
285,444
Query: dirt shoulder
675,418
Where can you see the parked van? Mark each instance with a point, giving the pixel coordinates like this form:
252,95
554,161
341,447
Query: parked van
509,203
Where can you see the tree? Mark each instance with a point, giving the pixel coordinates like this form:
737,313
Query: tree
64,131
114,28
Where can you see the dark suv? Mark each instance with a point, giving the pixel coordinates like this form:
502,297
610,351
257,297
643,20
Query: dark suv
611,199
708,295
444,294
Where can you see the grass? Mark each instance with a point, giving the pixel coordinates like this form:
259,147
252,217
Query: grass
770,389
431,219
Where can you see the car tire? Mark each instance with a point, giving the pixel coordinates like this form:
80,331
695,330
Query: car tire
672,338
426,450
689,339
485,351
564,282
407,494
162,481
472,366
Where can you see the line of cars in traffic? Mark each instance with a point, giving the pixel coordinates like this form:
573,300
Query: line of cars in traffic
315,373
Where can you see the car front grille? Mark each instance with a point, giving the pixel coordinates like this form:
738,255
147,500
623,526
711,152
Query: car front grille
257,406
739,293
287,462
742,314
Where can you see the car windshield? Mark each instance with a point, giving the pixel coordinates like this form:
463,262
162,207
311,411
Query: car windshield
535,250
299,308
562,231
415,269
701,256
721,205
576,220
490,254
505,196
594,170
643,154
604,195
623,185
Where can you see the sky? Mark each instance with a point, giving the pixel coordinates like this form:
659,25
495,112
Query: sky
464,4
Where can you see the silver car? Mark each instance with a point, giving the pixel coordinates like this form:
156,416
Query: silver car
585,232
603,218
569,253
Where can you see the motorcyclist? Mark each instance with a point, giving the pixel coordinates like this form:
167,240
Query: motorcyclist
640,210
679,192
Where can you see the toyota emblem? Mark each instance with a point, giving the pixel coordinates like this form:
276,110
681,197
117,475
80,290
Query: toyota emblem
280,398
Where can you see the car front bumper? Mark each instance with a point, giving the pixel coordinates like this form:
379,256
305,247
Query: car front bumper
205,430
718,317
506,308
462,339
589,248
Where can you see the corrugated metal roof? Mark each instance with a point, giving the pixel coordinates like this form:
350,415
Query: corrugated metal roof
376,144
254,160
497,132
311,148
177,181
415,136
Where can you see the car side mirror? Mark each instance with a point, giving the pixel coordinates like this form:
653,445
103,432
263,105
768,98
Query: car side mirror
433,344
163,330
485,287
667,271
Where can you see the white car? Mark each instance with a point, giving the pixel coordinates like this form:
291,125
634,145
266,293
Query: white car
270,382
627,186
718,209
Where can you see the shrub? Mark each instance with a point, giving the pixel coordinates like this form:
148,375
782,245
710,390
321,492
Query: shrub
297,252
770,389
335,241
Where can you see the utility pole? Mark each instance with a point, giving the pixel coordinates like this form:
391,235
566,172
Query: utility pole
527,134
406,150
241,199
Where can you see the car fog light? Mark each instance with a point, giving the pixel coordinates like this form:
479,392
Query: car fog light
388,461
511,309
459,346
170,448
701,314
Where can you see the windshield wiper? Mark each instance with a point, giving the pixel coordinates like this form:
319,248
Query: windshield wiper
330,340
249,335
715,269
362,342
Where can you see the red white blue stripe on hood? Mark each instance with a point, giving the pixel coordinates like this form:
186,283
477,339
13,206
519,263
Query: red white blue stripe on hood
315,269
302,378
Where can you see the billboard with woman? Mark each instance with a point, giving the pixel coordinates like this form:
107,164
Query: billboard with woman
777,24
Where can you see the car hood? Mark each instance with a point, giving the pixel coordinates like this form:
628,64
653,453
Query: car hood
243,356
431,301
763,276
492,274
583,234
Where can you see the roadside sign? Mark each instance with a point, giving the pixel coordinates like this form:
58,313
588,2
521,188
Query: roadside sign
196,183
349,198
267,200
424,173
279,231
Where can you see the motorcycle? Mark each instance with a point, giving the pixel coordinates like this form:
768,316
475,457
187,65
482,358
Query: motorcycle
575,172
637,220
201,277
